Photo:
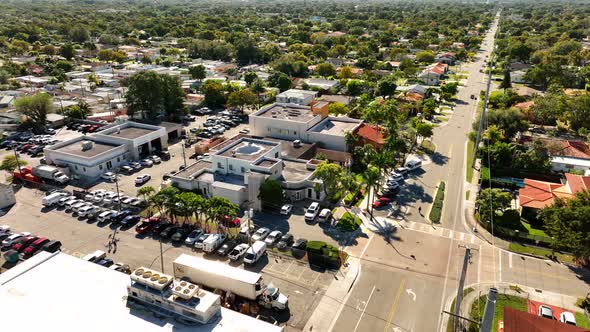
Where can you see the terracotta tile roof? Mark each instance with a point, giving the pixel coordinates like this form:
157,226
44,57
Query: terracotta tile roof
525,105
539,194
371,133
413,96
561,147
518,321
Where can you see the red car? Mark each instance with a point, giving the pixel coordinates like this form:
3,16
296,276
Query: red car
228,221
24,243
146,225
35,246
381,202
93,128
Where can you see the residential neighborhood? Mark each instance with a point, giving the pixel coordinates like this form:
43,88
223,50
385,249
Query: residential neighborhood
285,166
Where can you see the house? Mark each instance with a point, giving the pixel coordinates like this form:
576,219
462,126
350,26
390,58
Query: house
336,62
519,66
525,105
346,100
539,194
517,76
29,80
432,74
446,57
322,84
528,92
566,155
296,96
458,45
371,134
517,321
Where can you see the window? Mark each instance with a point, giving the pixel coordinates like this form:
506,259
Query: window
134,293
295,133
158,301
268,129
84,169
110,164
231,167
219,165
100,167
75,167
243,169
276,154
118,159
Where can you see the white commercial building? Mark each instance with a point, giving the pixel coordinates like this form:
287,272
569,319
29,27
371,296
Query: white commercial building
89,156
295,96
77,295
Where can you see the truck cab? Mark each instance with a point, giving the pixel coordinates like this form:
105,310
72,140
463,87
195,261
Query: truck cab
273,298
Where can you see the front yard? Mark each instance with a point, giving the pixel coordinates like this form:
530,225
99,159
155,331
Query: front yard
503,300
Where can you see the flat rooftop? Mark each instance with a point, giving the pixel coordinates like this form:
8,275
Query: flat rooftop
286,112
79,290
334,126
131,132
266,163
288,150
247,148
295,171
193,169
75,148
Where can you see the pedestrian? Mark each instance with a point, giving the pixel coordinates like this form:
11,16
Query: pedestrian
420,210
114,246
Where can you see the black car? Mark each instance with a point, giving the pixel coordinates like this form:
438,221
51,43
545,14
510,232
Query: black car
130,220
165,155
162,225
300,244
169,231
226,247
121,215
180,234
52,246
388,194
6,143
4,235
285,241
106,262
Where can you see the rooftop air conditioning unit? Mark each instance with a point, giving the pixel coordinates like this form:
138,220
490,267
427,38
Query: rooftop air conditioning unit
86,145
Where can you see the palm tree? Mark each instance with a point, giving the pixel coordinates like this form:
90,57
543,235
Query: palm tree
146,192
371,177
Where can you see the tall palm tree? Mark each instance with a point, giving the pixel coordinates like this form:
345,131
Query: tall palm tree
146,192
371,177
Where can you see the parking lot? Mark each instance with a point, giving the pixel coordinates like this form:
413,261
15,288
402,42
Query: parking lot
302,284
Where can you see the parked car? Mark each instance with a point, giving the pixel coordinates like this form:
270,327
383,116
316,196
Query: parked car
87,210
135,165
155,159
199,241
254,253
273,237
413,164
381,202
567,317
52,246
238,251
109,176
402,170
146,162
121,215
285,241
169,231
35,246
180,234
12,239
127,169
325,215
394,176
130,220
159,227
106,262
312,211
226,248
260,234
24,242
145,226
193,236
164,155
106,216
286,209
546,312
141,179
300,244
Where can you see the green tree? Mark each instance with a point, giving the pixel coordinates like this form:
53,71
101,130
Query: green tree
280,80
257,87
449,90
198,72
79,34
250,77
247,52
506,81
79,111
35,108
242,98
346,72
354,87
425,57
331,176
214,94
271,194
325,69
567,221
424,130
9,163
371,177
338,109
492,202
386,86
67,51
153,95
146,192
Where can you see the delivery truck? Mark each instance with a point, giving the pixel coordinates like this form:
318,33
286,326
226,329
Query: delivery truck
217,275
50,173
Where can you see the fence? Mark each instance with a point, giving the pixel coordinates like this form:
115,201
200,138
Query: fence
515,235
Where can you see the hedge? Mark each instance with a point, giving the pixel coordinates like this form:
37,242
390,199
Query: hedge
348,222
322,254
435,212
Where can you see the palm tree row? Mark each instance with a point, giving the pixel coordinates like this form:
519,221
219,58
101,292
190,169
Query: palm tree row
189,207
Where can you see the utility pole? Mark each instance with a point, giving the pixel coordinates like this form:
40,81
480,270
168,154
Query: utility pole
18,166
459,298
183,154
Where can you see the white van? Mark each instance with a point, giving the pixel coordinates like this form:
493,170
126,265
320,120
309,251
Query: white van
253,254
312,211
413,164
95,256
52,199
213,242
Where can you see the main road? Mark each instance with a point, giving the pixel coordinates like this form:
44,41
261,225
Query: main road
409,273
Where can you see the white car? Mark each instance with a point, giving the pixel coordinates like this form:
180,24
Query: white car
567,317
325,215
141,179
87,210
107,215
71,203
402,170
136,201
192,237
135,165
98,197
273,237
127,200
238,252
9,241
62,201
260,234
395,177
392,185
286,209
156,159
109,176
146,162
312,211
108,198
78,206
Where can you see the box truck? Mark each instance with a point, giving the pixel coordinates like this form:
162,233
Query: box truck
221,276
50,173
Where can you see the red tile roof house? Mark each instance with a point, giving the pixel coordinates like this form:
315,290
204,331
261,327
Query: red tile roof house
539,194
566,155
371,134
520,321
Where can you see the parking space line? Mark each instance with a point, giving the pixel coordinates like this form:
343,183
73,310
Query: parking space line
462,236
500,266
451,234
479,265
510,260
472,238
300,274
365,308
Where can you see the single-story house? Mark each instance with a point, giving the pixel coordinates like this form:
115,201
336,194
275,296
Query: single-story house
322,84
539,194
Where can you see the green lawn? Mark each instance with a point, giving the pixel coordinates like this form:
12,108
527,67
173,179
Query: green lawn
582,320
470,156
467,194
451,322
542,252
477,309
427,147
531,230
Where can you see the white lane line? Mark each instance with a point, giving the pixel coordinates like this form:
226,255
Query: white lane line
510,260
479,265
472,238
451,234
500,267
462,237
362,313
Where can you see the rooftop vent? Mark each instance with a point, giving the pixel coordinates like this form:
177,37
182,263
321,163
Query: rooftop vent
86,145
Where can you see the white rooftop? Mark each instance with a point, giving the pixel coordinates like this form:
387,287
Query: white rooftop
218,268
64,293
571,161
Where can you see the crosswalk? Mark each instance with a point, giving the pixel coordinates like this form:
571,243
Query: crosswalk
435,230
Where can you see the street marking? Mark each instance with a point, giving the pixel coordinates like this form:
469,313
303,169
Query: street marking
450,151
365,308
411,293
510,260
450,234
394,305
462,237
472,238
479,265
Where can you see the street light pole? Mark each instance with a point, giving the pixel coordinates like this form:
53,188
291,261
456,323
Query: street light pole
18,165
183,154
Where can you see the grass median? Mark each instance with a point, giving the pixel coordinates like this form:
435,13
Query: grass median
470,156
437,205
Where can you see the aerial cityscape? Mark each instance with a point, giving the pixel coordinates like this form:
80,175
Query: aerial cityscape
314,165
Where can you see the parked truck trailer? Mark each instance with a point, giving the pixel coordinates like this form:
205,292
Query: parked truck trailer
50,173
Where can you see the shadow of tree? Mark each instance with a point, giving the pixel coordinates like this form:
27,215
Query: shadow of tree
412,193
439,159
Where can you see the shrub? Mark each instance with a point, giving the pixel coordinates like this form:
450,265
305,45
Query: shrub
510,219
437,205
348,222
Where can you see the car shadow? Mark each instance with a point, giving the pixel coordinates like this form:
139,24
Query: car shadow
260,264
